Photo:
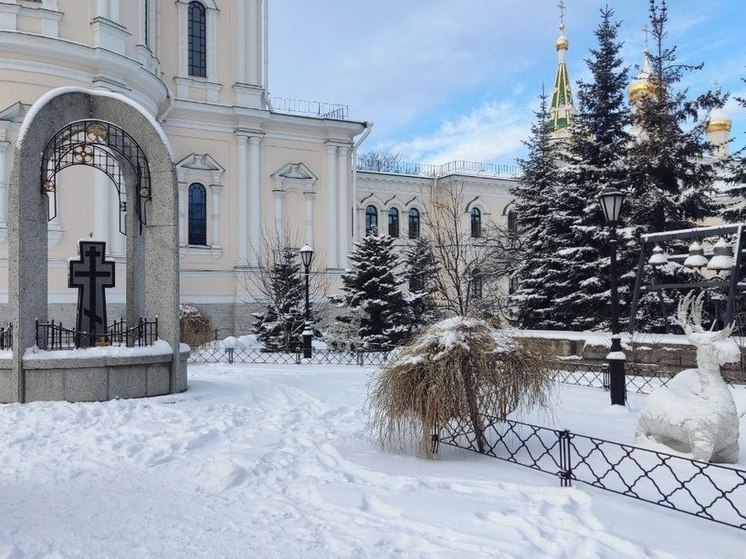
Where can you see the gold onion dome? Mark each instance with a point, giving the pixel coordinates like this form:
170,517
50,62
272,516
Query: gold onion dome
562,42
644,84
719,121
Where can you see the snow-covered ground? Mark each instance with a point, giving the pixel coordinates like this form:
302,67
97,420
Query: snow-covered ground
273,461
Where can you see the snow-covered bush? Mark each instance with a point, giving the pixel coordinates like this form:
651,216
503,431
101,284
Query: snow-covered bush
458,368
196,326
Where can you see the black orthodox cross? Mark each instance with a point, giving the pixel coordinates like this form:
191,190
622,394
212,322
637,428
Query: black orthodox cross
91,275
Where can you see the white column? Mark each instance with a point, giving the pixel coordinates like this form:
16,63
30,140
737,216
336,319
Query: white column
255,223
117,242
279,216
4,183
212,47
344,206
241,42
102,188
183,201
182,14
253,44
242,233
309,217
215,242
102,8
114,12
331,154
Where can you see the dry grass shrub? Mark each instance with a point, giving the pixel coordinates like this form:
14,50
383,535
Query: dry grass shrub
196,326
459,368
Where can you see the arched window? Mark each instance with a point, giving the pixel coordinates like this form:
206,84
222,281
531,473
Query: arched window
393,222
414,223
476,222
197,40
476,283
197,214
371,220
512,221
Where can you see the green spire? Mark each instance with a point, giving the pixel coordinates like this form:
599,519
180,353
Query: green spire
562,108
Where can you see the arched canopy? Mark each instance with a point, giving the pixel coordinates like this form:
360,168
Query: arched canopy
106,147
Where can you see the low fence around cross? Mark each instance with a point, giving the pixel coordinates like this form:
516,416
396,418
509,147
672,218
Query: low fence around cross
6,337
710,491
53,336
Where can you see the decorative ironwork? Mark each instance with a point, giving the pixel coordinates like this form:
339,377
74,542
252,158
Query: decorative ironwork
53,336
215,353
709,491
6,337
106,147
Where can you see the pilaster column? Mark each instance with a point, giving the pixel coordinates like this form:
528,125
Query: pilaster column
344,206
255,222
215,190
117,242
114,11
254,41
101,208
102,8
309,196
183,201
279,216
182,14
242,24
4,184
242,211
331,172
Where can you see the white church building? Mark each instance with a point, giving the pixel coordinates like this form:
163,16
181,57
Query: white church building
249,167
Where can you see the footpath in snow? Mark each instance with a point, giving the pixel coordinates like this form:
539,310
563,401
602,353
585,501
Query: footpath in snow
274,461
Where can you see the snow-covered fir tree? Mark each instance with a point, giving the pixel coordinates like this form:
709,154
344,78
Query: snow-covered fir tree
735,212
280,327
536,194
593,159
420,271
671,179
372,286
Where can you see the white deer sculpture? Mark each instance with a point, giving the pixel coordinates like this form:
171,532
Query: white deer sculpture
695,412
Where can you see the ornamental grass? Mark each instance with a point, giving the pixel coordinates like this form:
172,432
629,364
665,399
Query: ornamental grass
457,369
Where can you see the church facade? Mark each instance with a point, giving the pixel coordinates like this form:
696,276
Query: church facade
252,171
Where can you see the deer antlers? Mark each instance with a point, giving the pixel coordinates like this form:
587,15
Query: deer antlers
689,317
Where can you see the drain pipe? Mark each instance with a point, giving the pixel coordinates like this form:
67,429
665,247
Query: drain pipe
360,140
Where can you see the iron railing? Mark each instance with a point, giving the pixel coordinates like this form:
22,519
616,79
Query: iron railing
54,336
459,167
216,353
318,109
701,489
6,337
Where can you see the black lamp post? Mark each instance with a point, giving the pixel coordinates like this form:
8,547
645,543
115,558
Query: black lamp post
611,203
306,255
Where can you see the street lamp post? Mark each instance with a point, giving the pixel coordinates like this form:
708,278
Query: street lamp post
611,203
306,255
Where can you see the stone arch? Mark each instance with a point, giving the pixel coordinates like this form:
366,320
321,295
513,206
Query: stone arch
152,252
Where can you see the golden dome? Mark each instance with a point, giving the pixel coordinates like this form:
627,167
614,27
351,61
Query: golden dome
640,88
719,122
562,42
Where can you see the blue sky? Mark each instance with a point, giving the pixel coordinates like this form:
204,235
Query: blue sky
444,80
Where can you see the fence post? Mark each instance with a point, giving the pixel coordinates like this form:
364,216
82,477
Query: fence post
230,355
565,473
606,377
297,357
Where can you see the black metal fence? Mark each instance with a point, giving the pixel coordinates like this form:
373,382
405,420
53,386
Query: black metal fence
215,353
54,336
704,490
6,337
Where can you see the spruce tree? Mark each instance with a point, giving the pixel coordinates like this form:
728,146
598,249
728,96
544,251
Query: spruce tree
671,179
594,159
372,286
280,327
531,302
420,272
735,211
